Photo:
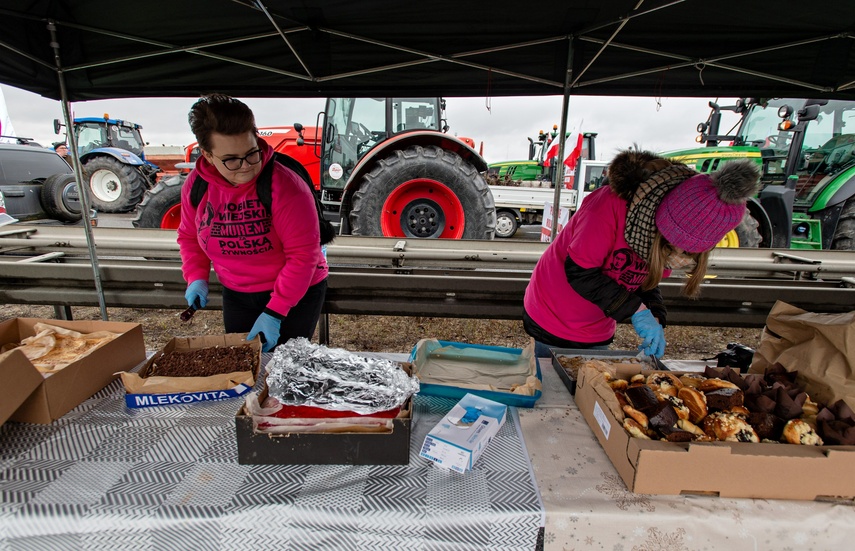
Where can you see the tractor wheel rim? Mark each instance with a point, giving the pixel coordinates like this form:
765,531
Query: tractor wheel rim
422,208
171,218
729,241
105,185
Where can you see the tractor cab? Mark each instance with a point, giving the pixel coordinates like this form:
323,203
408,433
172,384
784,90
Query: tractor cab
353,126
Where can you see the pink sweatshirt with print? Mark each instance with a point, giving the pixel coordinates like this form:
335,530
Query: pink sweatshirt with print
250,250
594,237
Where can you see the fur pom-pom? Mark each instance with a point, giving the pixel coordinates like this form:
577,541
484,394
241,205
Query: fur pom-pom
632,167
736,181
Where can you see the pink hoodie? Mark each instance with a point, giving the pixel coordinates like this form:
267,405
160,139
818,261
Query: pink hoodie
250,250
594,238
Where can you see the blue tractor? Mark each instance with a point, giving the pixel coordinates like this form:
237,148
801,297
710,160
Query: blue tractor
113,162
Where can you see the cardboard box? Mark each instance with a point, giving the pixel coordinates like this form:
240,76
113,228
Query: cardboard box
459,439
145,391
62,391
338,448
726,469
19,380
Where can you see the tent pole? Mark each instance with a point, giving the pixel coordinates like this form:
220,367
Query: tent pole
562,136
82,189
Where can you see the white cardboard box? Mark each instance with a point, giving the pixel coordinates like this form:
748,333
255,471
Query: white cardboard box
458,440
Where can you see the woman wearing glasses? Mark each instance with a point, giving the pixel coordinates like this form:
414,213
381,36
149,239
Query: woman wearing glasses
270,264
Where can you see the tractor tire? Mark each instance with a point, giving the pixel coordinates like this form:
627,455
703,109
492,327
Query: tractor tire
745,235
61,199
844,234
424,192
506,224
113,186
161,205
748,232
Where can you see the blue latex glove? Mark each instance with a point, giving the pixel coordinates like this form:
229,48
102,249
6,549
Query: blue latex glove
268,326
197,290
652,334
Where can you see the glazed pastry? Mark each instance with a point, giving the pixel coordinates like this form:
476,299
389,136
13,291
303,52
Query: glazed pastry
708,385
724,398
634,429
676,403
732,428
688,426
639,417
618,384
695,401
637,378
797,431
692,379
810,408
741,410
664,382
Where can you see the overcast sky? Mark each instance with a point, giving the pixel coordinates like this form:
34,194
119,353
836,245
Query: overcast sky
657,124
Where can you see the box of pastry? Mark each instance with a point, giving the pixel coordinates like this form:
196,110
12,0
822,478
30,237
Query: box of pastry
327,406
718,432
195,369
73,359
510,376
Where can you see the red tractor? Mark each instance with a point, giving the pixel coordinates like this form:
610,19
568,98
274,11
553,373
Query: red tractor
382,166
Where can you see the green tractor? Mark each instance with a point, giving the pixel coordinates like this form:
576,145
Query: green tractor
806,148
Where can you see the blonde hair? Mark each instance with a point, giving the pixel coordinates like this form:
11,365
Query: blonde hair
659,253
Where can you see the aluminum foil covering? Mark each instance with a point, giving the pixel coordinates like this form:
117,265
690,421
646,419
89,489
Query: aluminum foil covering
301,373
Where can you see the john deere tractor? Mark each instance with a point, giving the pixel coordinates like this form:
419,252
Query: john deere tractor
806,148
113,162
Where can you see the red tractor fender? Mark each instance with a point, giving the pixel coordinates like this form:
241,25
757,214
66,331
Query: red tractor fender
400,142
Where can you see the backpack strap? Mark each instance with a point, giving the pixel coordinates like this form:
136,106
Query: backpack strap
200,187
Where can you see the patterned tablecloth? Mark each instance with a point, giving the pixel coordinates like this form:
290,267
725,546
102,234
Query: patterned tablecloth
589,507
107,477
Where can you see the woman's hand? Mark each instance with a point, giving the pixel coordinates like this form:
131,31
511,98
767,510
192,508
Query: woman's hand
652,334
197,290
268,327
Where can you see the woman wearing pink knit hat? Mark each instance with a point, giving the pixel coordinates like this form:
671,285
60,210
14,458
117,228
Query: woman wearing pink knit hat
606,265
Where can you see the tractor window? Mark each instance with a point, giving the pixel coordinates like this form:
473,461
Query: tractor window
90,136
353,126
761,125
129,139
414,114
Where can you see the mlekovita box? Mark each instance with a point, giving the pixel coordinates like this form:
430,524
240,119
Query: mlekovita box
458,440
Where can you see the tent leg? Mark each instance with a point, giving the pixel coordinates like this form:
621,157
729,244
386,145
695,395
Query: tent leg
562,136
82,188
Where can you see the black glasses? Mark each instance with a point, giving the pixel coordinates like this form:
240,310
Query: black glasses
234,163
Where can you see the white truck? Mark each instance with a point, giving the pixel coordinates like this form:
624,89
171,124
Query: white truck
523,204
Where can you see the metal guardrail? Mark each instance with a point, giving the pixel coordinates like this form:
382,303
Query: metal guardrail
384,276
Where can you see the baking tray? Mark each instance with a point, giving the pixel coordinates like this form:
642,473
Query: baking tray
508,398
588,354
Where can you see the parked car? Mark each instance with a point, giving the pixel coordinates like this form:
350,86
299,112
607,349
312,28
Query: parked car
37,183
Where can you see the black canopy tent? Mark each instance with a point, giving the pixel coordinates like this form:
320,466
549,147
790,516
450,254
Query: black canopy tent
77,50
